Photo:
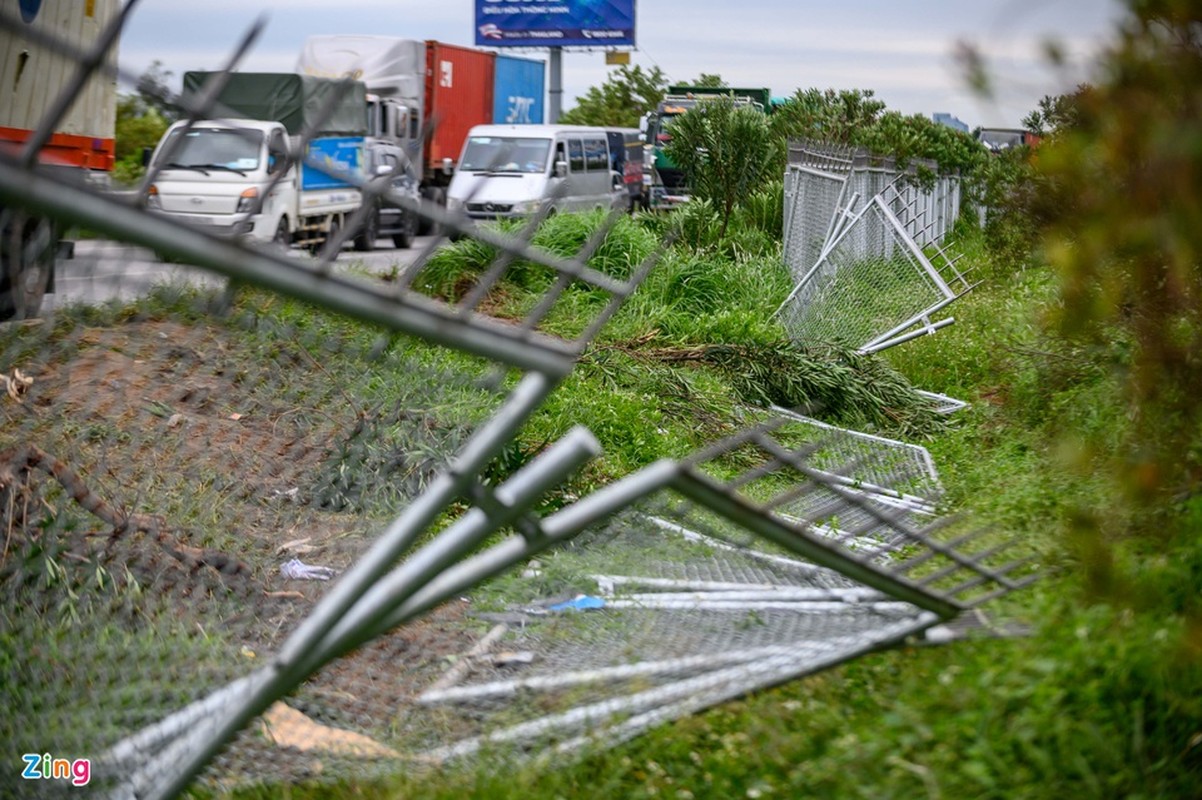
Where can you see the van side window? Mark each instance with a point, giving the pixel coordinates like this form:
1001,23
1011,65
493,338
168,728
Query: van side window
596,155
575,156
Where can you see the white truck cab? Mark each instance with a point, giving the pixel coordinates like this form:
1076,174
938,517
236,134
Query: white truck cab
251,173
224,176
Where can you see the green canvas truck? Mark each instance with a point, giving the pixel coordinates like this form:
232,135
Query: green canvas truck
666,184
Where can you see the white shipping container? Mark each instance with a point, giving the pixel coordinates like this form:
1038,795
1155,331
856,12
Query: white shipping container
33,76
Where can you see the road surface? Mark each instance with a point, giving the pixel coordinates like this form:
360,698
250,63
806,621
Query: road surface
104,271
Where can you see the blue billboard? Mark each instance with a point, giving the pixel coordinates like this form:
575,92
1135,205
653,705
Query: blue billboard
554,23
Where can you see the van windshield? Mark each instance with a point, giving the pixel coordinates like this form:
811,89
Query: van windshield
214,148
505,154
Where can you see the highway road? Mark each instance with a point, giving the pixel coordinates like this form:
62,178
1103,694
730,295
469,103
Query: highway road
103,271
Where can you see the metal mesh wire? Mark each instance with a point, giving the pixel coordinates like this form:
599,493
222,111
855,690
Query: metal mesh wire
675,607
242,498
871,285
680,621
862,236
191,452
812,203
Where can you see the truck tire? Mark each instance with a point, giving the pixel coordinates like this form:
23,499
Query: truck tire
365,240
283,237
27,252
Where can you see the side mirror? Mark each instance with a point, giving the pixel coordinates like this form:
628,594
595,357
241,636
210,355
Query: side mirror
147,152
561,169
448,166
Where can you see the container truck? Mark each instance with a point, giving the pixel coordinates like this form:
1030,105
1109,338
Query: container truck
81,147
665,182
426,95
223,174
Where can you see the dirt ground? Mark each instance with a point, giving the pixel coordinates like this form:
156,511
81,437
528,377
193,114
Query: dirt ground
175,421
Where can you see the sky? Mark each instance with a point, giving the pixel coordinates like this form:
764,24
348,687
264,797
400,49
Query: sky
902,50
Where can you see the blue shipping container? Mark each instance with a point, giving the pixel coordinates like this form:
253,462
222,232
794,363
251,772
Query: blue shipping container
340,152
518,88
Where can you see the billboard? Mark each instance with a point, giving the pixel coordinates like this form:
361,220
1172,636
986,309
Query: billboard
554,23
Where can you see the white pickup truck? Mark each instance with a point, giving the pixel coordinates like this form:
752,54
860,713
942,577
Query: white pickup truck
225,174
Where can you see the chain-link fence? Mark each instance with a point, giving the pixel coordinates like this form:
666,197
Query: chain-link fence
862,238
263,511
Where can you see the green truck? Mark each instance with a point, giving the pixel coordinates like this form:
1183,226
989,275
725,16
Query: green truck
665,182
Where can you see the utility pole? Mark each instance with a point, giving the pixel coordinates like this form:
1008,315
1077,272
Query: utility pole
555,87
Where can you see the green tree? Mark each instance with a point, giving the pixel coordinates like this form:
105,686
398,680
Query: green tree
137,128
827,115
710,80
1055,113
1125,233
154,90
142,117
854,117
725,151
627,94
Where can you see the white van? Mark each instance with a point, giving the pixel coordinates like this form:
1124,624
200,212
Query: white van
512,170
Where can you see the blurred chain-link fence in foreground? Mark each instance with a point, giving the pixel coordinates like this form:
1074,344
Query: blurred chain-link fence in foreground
267,518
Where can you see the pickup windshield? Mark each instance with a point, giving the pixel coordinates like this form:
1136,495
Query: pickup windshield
505,154
213,148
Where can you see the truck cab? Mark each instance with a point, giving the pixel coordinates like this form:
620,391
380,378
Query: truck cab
254,173
218,175
667,186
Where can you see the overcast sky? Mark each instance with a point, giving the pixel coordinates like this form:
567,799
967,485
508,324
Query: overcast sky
903,50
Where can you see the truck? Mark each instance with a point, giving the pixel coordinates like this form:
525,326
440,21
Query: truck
81,147
998,139
223,174
665,183
424,95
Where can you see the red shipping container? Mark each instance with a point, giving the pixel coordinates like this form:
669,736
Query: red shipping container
459,94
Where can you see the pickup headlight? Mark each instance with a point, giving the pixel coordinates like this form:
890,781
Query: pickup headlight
248,202
152,199
454,204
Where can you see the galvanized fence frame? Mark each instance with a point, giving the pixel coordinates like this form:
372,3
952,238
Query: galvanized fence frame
399,577
845,207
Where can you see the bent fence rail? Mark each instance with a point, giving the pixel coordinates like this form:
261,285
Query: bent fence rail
264,523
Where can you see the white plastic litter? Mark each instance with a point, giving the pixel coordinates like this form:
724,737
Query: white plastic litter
299,570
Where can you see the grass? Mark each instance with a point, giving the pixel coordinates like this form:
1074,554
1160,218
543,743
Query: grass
1102,699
